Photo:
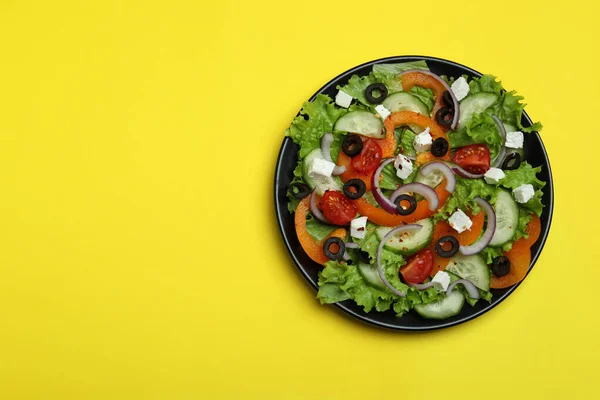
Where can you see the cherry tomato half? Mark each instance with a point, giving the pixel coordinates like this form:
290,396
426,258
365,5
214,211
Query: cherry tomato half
418,268
474,158
337,208
369,158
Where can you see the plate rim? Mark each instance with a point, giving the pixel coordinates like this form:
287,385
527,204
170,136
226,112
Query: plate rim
278,211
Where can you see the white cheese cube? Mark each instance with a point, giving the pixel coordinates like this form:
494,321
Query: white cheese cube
320,168
493,175
441,280
404,167
343,99
514,140
523,193
460,221
423,141
358,227
460,88
382,111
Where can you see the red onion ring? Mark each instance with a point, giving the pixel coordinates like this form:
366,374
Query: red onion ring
399,229
420,188
326,141
448,88
462,172
471,288
383,201
352,245
500,156
485,239
444,169
314,209
422,286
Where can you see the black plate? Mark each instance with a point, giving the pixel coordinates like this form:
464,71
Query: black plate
535,154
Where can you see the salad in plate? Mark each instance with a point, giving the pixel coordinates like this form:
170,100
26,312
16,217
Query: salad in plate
413,192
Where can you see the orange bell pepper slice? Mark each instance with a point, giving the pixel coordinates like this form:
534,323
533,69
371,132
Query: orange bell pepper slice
519,256
442,228
419,79
384,218
351,172
312,247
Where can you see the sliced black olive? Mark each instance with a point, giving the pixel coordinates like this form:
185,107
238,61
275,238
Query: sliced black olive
383,92
363,257
352,145
299,190
439,147
354,188
332,243
447,97
512,161
412,204
444,116
349,262
501,266
439,246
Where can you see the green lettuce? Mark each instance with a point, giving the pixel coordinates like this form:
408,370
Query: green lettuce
425,95
487,83
464,195
407,139
318,230
481,129
357,85
322,114
386,73
298,178
526,174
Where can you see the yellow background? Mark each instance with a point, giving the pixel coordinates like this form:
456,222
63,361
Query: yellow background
139,252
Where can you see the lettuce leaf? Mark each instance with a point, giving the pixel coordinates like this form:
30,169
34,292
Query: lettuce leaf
425,95
322,114
357,85
466,190
298,178
386,73
407,139
481,129
526,174
487,83
317,229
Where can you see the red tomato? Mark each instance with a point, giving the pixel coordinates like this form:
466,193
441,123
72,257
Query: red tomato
418,268
369,157
474,158
337,208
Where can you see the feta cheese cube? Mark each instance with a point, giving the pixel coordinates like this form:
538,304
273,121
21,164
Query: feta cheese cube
460,221
343,99
441,280
523,193
423,141
358,227
320,168
460,88
493,175
514,140
382,111
404,167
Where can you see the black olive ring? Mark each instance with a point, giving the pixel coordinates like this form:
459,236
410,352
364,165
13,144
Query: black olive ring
371,88
338,255
444,116
439,246
363,257
412,204
501,266
352,145
354,188
512,161
439,147
299,190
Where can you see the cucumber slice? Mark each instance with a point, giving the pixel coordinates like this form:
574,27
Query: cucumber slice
472,268
449,306
472,104
507,218
329,183
432,180
369,272
408,243
361,122
404,101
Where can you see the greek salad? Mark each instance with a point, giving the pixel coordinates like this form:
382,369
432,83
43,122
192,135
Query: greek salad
413,192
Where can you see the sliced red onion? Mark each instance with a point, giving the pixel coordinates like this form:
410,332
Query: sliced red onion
460,171
444,169
443,82
471,288
352,245
422,286
326,141
399,229
500,156
485,239
419,188
346,256
383,201
314,209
